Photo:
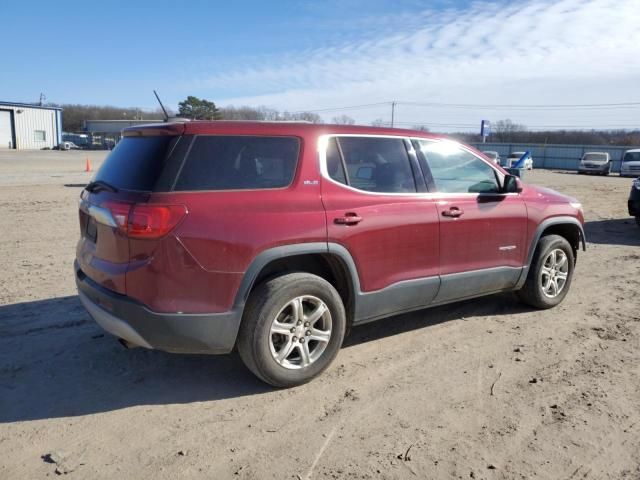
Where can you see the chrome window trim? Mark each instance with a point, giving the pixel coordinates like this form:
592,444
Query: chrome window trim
323,141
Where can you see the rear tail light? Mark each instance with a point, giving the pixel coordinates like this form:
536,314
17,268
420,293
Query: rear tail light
145,221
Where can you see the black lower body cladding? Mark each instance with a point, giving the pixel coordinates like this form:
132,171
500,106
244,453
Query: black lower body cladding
129,320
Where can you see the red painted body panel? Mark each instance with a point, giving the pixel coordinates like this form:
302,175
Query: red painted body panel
483,236
107,260
396,240
199,266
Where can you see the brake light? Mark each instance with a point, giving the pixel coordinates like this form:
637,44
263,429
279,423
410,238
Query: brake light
154,221
145,221
120,214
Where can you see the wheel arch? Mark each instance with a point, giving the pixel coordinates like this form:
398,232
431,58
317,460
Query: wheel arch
565,226
329,261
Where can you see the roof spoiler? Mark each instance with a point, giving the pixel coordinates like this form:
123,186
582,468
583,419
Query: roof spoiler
155,130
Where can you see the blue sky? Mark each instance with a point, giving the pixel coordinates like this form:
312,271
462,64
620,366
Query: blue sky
299,55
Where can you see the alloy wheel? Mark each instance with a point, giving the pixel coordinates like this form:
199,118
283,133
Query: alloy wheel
300,332
554,273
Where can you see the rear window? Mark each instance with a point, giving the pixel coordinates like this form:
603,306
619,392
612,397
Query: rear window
136,162
187,163
238,162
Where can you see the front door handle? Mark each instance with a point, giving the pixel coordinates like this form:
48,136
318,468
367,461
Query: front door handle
453,212
349,218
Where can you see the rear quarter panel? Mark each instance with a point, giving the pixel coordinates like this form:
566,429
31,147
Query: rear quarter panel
199,267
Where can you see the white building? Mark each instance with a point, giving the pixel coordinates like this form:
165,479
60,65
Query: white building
29,127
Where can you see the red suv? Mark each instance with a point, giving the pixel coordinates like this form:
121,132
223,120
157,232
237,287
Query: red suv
275,238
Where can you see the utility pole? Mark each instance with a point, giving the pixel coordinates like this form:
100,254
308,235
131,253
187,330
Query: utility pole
42,98
393,113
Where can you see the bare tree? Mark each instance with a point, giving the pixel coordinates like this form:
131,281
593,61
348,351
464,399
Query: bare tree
301,116
74,115
379,122
343,120
504,130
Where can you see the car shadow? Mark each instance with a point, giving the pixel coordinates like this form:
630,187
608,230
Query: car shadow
55,361
616,231
498,304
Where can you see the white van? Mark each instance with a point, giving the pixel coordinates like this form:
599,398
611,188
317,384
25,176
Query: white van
630,163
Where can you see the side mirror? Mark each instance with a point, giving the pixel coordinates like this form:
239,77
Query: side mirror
511,184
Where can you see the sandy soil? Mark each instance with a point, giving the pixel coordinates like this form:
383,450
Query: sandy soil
483,389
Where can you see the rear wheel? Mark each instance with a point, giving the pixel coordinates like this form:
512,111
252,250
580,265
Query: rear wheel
292,329
550,273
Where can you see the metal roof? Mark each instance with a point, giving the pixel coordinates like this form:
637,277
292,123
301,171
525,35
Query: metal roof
27,105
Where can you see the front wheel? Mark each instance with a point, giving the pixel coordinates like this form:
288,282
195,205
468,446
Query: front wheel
550,273
292,329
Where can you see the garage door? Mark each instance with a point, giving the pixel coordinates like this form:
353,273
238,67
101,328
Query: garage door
6,133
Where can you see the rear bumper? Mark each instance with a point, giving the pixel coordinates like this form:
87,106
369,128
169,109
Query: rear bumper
176,332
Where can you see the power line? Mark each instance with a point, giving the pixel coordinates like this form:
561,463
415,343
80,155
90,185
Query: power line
583,106
528,127
352,107
523,107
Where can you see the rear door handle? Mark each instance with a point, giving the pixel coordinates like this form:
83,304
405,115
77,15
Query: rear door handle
453,212
350,218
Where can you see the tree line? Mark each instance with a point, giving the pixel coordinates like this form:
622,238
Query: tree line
194,108
506,131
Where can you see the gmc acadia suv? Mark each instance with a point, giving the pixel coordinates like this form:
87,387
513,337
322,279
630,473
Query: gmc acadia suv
276,238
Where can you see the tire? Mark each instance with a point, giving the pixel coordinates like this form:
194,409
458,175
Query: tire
534,292
280,299
638,220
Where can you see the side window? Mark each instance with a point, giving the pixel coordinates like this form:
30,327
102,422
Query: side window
334,162
377,164
219,162
455,170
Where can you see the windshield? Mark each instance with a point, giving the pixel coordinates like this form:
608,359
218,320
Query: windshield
516,155
631,157
598,157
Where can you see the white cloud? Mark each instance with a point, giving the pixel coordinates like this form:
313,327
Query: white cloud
567,51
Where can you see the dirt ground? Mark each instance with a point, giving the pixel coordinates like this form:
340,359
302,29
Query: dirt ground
482,389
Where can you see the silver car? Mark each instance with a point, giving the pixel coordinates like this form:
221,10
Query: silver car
493,156
630,163
595,162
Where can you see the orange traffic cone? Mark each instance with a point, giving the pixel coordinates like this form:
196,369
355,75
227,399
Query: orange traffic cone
87,165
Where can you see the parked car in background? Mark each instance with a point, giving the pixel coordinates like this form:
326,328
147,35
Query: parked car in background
493,156
80,140
275,238
630,166
634,200
595,162
68,146
513,158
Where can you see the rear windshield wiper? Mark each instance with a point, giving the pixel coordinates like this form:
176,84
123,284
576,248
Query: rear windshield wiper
97,185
